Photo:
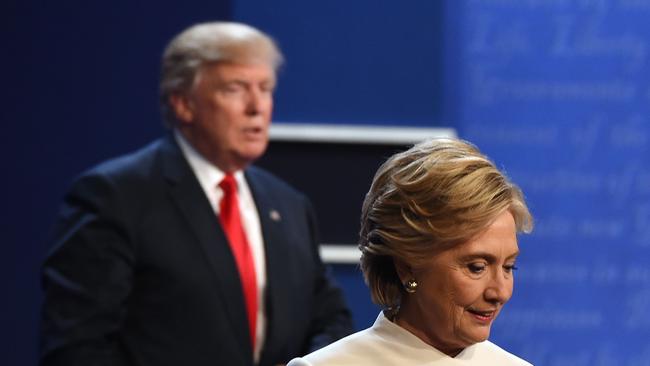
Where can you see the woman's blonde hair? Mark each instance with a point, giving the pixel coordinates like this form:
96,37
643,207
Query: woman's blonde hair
434,196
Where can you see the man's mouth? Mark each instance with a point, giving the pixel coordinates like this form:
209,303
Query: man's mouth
253,131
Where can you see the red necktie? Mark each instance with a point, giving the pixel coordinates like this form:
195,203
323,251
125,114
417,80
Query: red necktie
231,223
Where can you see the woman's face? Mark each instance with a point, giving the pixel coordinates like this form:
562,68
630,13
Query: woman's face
462,290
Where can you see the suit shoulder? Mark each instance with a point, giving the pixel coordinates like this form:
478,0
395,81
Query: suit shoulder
269,179
128,164
132,175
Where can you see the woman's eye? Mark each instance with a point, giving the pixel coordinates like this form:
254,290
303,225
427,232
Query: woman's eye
509,268
476,268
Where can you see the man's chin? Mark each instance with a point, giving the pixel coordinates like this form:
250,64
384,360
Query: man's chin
249,156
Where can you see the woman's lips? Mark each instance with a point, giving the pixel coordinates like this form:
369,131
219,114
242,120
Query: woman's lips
483,316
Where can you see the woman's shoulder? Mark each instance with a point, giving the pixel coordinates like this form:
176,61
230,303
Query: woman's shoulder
489,351
351,350
367,347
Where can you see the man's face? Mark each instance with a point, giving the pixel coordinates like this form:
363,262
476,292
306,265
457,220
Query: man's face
227,114
462,290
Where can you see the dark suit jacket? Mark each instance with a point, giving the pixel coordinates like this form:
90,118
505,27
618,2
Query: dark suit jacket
141,273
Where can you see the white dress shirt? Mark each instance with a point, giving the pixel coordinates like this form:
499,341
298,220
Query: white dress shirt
209,176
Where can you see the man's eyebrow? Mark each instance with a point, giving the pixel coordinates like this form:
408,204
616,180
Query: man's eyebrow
235,81
246,82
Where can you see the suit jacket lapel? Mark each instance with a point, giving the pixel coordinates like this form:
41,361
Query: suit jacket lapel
277,307
187,194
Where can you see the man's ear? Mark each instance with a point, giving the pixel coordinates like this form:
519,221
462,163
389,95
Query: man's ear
182,107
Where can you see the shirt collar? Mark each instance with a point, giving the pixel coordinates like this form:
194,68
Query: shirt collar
208,174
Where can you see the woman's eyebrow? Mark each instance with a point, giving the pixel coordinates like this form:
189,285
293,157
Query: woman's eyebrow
487,256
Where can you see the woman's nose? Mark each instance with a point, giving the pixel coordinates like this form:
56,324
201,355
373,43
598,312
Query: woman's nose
499,288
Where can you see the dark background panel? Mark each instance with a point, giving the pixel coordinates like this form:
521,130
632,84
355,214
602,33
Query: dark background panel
336,176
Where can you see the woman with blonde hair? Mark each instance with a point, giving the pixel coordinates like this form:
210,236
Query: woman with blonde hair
439,244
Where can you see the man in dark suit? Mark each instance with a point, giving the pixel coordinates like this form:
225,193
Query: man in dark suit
182,253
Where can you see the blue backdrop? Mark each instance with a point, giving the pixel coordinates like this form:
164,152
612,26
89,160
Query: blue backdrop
556,92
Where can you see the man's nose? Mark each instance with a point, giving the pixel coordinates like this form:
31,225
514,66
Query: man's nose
254,102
